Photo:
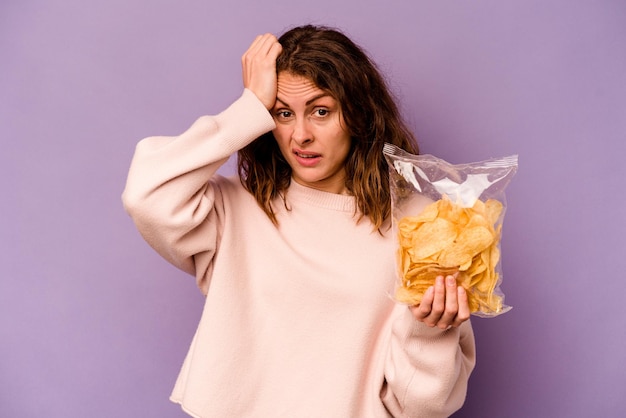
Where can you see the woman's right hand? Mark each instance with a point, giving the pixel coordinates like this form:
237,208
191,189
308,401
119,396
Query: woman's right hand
259,68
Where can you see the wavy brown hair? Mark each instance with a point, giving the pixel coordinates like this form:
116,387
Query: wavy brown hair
342,69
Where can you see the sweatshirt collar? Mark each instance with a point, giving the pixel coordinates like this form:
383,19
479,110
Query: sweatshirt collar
339,202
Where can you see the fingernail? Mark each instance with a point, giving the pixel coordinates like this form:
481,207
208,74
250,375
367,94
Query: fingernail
450,280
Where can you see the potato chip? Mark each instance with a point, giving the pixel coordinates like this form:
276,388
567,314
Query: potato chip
447,238
434,237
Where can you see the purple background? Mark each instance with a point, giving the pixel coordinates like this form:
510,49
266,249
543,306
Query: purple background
94,324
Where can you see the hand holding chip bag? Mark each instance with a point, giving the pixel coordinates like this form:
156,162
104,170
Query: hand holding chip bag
448,219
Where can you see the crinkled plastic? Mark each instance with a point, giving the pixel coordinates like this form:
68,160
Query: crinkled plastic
447,220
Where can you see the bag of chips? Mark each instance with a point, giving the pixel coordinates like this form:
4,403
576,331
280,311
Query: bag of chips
447,220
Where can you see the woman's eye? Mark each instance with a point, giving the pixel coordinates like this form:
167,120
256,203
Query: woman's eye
283,114
321,112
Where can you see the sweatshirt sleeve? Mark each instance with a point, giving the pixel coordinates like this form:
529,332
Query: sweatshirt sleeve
169,195
427,369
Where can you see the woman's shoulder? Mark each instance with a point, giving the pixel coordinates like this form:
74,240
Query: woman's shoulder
228,183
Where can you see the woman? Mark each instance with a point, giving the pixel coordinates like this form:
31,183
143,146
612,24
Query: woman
295,255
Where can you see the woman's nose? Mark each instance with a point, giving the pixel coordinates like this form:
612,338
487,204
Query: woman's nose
301,133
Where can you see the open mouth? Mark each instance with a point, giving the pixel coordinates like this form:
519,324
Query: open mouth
306,155
307,159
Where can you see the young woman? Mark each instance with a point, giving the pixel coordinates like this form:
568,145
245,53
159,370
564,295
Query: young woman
295,254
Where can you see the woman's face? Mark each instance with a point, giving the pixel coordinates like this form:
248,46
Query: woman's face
310,133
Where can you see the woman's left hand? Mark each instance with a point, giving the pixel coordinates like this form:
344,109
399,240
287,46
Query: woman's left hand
444,305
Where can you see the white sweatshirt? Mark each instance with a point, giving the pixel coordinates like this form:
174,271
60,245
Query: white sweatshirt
298,320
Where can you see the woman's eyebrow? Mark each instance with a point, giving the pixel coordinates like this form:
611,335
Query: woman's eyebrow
319,96
308,102
282,102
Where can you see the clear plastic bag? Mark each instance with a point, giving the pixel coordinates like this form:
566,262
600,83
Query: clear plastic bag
447,220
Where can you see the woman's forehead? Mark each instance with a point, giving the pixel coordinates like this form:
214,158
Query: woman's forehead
295,85
298,89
